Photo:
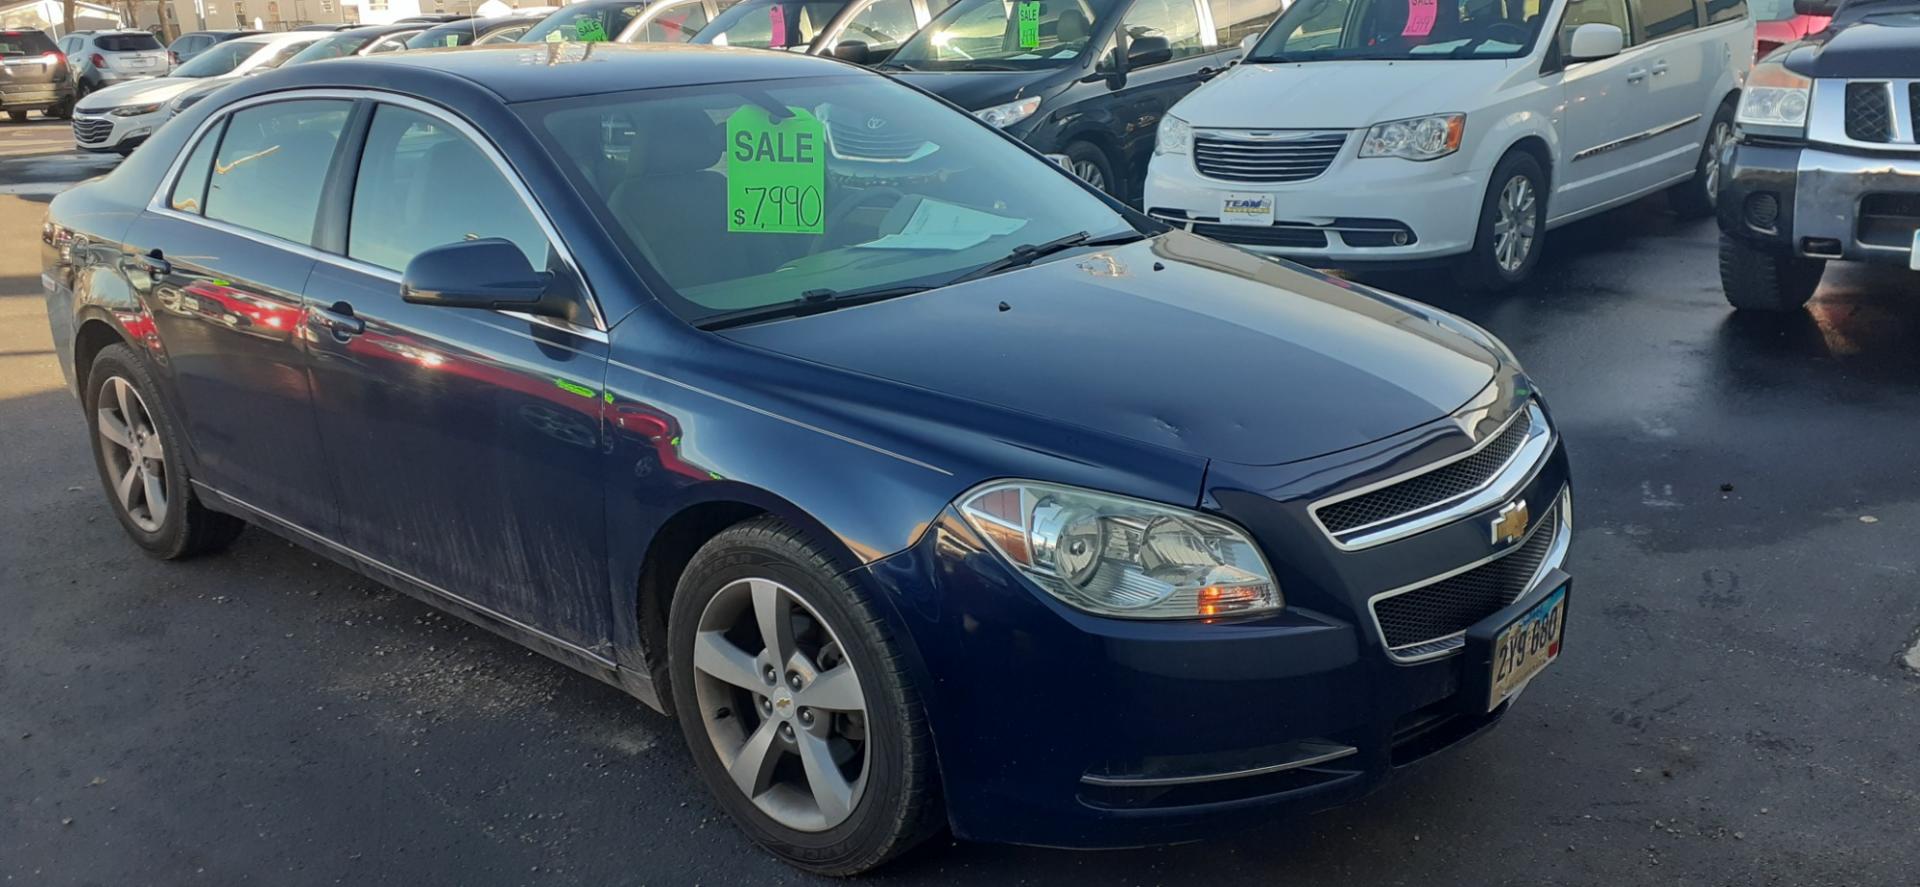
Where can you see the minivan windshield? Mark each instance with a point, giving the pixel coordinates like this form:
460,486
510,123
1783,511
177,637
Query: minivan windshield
806,190
1401,30
771,24
1004,34
221,59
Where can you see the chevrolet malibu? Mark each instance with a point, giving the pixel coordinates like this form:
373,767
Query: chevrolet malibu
963,498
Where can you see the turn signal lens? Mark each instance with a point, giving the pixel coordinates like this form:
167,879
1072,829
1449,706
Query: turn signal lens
1117,556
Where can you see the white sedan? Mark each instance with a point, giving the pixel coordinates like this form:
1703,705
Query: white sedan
119,118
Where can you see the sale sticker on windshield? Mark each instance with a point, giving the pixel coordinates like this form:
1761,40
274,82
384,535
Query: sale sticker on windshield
1029,15
590,30
1421,15
776,172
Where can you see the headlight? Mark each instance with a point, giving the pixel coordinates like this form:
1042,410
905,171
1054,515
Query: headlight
1775,102
1417,138
1174,136
1010,113
134,110
1116,556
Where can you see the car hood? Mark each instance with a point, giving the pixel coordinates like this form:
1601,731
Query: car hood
139,92
1877,40
1345,95
974,90
1175,341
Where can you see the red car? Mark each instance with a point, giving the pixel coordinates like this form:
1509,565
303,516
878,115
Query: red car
1777,25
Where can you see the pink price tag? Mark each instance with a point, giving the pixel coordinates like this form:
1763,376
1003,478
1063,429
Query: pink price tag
777,18
1420,17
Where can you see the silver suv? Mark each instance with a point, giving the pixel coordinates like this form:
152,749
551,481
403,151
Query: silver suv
103,58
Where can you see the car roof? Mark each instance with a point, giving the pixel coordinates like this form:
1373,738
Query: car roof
526,72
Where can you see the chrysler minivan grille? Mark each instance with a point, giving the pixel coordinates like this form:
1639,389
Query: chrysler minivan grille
1275,158
1418,619
1424,491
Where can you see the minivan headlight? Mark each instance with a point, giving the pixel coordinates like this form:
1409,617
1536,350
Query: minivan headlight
1416,138
1175,136
1116,556
1006,115
1775,102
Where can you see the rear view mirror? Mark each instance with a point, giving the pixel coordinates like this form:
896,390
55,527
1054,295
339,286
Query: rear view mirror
855,51
1824,8
1150,50
1594,41
487,273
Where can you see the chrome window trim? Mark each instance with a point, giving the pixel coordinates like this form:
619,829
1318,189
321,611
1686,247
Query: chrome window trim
1636,138
1513,474
1449,644
1827,115
158,204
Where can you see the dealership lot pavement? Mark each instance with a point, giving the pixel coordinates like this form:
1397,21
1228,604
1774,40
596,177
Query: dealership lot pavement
1733,708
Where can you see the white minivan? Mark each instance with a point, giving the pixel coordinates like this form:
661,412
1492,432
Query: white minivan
1358,132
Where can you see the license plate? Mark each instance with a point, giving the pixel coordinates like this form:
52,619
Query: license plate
140,63
1246,209
1913,260
1526,647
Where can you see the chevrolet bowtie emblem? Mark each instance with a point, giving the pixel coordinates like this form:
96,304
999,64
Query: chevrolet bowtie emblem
1511,524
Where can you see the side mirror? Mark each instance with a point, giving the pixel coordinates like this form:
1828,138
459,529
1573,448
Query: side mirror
1144,51
1247,44
1594,41
1825,8
855,51
487,273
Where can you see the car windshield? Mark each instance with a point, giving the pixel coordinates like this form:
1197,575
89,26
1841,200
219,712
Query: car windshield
771,24
1000,34
139,42
1400,30
344,43
508,34
221,59
805,189
583,24
14,44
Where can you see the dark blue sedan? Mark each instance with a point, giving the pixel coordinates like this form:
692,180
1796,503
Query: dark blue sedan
923,484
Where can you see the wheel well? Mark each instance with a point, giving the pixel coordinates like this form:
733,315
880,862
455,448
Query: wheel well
672,549
1107,146
94,336
1537,146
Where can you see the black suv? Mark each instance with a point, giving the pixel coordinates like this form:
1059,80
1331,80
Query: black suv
33,76
1826,163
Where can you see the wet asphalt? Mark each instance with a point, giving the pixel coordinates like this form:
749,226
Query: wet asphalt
1732,708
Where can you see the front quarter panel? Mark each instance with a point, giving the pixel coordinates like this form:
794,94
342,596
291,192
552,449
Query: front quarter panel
81,275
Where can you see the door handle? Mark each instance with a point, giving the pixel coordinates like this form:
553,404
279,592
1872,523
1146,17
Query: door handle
1659,68
338,320
149,262
1636,75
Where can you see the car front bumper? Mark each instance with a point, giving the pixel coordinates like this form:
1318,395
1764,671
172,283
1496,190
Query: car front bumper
107,133
1358,212
1817,202
1054,727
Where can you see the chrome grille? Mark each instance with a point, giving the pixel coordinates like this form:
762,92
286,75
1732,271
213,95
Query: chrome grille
856,141
1276,159
91,132
1428,619
1913,109
1424,491
1869,111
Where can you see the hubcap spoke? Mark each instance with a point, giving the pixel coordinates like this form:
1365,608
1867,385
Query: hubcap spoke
156,493
752,767
714,655
774,613
831,790
124,489
837,689
115,430
120,394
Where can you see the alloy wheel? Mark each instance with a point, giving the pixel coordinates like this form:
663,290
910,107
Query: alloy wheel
136,459
1514,224
782,704
1717,141
1089,172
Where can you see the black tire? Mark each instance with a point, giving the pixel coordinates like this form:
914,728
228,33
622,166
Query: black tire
1092,165
17,116
1482,268
1699,197
900,805
62,111
1757,280
188,528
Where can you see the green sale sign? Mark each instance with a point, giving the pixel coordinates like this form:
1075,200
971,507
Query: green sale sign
1029,15
776,172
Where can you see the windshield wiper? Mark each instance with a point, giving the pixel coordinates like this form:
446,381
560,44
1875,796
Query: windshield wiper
810,302
889,65
1028,253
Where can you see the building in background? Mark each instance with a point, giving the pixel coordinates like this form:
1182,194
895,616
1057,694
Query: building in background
45,15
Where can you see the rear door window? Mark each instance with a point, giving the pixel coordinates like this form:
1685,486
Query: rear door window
126,42
272,164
